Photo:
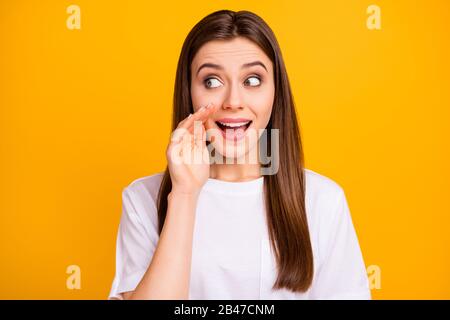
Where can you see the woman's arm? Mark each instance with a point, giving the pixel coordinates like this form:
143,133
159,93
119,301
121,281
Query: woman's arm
168,274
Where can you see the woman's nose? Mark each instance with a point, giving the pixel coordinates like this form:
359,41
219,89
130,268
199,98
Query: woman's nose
233,99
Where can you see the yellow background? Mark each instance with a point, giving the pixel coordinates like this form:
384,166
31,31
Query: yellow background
85,112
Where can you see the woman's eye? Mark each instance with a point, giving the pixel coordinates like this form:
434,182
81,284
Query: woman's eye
253,81
212,83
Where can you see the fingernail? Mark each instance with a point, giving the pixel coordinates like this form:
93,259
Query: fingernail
190,115
202,109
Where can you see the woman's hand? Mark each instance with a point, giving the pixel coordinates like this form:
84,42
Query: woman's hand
187,154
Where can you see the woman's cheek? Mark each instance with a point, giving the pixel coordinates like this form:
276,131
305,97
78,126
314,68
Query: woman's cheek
202,96
199,96
262,106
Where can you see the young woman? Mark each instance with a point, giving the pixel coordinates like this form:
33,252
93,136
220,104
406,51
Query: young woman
236,229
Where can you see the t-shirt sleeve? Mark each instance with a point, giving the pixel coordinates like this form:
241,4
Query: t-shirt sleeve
342,273
135,245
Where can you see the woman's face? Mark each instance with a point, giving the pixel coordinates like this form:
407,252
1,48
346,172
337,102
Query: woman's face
237,76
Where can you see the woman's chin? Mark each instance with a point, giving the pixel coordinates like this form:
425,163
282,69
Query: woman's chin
236,153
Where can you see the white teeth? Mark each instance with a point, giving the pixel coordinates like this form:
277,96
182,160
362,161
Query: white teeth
234,125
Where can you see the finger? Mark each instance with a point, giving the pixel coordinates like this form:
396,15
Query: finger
178,134
186,148
199,132
204,117
184,120
200,115
174,153
186,125
188,119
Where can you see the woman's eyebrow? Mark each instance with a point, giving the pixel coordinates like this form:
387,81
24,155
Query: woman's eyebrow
219,67
209,65
254,63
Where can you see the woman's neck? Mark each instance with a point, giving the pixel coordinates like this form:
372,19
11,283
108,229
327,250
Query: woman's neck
234,172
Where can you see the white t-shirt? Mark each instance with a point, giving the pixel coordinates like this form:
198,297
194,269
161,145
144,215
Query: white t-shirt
231,254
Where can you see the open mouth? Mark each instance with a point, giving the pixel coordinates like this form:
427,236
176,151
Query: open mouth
233,130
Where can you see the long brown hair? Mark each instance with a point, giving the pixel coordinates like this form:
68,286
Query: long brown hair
285,190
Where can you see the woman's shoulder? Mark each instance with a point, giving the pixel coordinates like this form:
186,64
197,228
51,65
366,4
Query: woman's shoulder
319,183
322,191
144,187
